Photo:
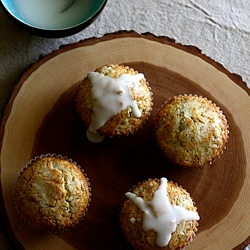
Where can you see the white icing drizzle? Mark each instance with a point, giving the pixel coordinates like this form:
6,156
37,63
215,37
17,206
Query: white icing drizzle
94,137
111,96
132,220
160,215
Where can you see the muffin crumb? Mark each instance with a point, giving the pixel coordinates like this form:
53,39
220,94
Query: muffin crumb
191,130
52,193
122,108
145,236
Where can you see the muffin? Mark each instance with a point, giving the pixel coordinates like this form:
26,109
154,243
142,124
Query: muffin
52,193
158,214
191,130
115,100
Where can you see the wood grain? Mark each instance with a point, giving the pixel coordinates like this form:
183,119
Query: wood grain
41,118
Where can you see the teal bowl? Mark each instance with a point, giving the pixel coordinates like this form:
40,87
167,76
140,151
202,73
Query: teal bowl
53,19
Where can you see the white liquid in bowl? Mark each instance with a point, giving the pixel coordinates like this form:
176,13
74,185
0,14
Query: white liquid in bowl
53,14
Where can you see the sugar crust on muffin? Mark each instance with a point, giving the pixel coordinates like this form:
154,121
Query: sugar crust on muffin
124,122
52,193
131,217
191,130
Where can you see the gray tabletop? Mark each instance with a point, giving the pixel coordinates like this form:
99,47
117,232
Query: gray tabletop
221,29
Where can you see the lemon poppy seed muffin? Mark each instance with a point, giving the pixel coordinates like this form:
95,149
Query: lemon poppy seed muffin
158,214
115,100
191,130
52,193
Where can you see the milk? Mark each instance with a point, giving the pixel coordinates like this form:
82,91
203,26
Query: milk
53,14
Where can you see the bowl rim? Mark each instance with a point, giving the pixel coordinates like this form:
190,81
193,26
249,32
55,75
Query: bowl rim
54,32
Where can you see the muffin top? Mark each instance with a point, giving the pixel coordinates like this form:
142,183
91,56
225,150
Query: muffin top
114,100
191,130
52,193
158,215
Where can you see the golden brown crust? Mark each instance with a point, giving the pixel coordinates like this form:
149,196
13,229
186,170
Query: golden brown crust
141,239
125,122
51,194
191,131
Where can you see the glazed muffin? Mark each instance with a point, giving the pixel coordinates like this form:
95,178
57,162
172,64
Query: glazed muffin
52,193
191,130
158,214
115,100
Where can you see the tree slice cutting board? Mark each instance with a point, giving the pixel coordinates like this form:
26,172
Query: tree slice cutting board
40,118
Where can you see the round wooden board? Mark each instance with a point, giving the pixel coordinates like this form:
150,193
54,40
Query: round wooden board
41,118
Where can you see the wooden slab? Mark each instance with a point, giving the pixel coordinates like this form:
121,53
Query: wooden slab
40,117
